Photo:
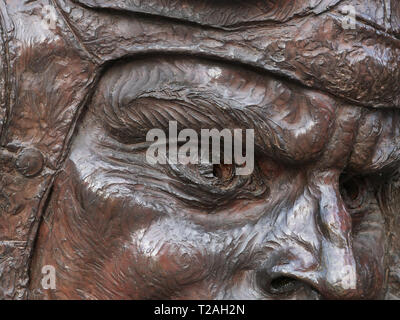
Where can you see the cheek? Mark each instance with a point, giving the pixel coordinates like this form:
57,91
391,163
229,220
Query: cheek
171,257
172,254
145,251
369,248
368,229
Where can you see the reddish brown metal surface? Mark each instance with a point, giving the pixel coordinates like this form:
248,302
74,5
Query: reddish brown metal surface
83,81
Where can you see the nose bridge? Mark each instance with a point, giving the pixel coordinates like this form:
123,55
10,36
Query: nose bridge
334,220
319,228
338,266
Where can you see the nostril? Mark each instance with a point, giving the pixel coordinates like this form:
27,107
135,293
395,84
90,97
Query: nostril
284,285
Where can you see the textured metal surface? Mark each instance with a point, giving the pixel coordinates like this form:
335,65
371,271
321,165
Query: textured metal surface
83,81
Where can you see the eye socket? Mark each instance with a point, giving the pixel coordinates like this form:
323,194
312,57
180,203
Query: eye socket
218,183
223,172
353,191
209,175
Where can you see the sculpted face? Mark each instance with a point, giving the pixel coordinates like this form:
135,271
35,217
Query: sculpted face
305,224
93,77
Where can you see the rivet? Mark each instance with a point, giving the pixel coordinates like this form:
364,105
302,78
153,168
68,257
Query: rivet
29,162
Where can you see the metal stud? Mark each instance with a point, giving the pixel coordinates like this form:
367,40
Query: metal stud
29,162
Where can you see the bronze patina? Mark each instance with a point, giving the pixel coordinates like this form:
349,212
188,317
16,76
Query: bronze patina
83,81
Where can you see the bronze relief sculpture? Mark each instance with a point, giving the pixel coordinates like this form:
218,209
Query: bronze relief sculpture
84,81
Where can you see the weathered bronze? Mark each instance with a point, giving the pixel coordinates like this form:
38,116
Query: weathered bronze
83,81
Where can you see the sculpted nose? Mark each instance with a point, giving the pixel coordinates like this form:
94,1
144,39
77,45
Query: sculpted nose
317,249
338,273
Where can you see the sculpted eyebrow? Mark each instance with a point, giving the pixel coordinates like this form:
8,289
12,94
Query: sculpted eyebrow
146,94
150,93
148,113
